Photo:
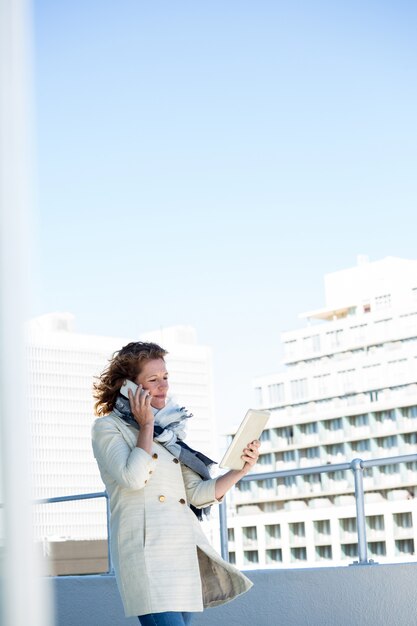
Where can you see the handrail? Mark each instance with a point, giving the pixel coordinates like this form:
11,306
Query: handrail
88,496
356,465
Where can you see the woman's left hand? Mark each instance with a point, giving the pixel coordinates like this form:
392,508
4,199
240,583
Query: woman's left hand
251,455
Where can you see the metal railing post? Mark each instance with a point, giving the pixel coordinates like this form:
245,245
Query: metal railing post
109,559
224,539
357,469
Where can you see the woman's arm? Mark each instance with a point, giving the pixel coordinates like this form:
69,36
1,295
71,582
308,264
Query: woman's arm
116,461
201,493
250,456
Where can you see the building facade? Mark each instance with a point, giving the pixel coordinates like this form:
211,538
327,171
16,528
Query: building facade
348,390
62,365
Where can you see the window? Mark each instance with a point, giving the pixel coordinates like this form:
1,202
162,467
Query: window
349,550
409,411
373,396
359,420
375,522
404,546
290,481
276,393
297,529
249,534
410,439
389,469
322,527
298,554
313,481
250,556
289,456
323,552
336,449
268,483
377,548
269,507
333,425
403,520
309,429
363,445
232,558
312,453
273,531
299,388
287,433
231,534
274,555
265,459
266,435
385,416
387,442
348,524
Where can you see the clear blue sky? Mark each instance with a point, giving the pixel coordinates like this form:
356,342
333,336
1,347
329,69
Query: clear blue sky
206,163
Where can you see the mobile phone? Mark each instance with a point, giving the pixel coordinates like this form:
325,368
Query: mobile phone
128,384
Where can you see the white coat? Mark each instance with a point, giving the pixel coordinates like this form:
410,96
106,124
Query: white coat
162,559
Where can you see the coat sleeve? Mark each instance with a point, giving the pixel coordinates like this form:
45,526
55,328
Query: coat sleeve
200,493
128,468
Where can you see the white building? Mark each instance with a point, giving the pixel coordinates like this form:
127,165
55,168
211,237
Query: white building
348,390
62,365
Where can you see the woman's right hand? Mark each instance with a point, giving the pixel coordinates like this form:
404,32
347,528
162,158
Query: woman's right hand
140,405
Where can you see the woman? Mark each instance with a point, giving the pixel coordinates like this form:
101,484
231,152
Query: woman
165,567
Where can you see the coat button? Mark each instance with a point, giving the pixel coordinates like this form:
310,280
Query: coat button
161,498
182,501
154,456
176,461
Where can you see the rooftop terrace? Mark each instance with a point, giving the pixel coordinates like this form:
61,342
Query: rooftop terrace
357,595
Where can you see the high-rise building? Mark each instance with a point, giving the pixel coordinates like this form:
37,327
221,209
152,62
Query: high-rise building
348,390
62,364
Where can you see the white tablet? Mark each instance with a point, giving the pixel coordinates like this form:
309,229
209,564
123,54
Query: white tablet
251,428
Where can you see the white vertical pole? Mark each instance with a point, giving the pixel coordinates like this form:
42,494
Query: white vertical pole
24,599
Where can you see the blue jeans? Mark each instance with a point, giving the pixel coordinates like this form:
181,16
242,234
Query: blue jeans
170,618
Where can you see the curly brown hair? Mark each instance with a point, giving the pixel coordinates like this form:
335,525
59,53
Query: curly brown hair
125,363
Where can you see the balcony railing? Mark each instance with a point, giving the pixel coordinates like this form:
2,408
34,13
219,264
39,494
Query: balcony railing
87,496
357,466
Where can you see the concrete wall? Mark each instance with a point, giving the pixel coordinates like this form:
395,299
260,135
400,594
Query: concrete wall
369,595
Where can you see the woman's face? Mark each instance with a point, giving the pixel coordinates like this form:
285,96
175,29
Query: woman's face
154,378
